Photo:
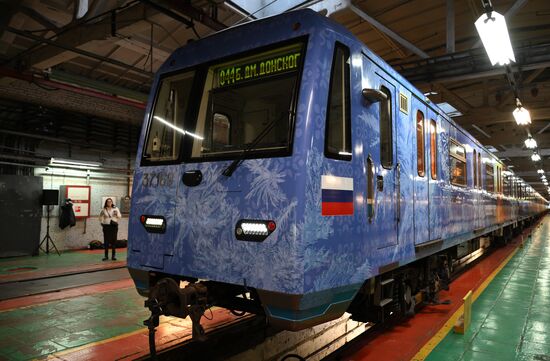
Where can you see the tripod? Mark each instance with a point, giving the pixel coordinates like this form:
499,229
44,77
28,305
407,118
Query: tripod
47,237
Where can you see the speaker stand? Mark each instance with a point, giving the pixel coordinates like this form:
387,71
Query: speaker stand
47,237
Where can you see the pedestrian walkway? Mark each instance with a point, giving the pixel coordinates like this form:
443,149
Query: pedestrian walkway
511,318
25,268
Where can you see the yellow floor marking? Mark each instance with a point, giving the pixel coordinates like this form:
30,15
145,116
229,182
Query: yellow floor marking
442,333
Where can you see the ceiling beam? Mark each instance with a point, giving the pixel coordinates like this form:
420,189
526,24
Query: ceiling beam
196,14
39,18
516,153
530,78
405,43
390,42
49,56
7,11
544,128
490,116
454,99
77,51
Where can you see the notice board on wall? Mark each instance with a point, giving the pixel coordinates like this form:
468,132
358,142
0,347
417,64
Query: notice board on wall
80,196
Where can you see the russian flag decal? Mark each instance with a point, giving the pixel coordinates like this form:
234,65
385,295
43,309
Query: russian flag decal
337,196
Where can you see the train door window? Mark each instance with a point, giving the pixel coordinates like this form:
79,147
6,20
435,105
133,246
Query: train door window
386,143
475,168
479,179
166,127
370,189
457,154
433,148
420,163
338,129
489,177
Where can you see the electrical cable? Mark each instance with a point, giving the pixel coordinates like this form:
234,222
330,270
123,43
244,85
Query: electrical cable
255,12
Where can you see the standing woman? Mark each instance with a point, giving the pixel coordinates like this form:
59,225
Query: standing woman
109,218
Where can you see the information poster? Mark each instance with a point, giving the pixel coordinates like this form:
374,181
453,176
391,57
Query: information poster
80,196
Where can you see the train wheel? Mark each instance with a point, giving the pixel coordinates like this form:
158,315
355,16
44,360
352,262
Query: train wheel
409,301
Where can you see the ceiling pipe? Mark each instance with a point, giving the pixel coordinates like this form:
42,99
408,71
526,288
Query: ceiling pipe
63,86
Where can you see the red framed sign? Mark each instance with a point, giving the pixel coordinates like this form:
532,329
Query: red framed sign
80,196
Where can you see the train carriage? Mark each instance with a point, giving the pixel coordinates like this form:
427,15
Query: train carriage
292,172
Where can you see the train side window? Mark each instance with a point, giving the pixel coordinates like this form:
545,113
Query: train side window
507,189
433,148
457,154
420,163
338,129
489,177
499,179
386,144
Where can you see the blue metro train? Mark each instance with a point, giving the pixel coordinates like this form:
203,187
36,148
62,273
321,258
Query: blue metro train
285,169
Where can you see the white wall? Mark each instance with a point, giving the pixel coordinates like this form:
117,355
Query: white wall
87,229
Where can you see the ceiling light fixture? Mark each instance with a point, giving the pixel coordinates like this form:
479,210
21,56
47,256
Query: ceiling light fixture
540,171
70,163
521,115
530,143
535,157
492,29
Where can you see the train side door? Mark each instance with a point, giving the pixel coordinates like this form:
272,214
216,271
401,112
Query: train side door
380,159
435,178
421,173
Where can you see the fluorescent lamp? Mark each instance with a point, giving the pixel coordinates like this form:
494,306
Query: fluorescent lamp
177,129
345,153
70,163
530,143
493,32
521,115
535,157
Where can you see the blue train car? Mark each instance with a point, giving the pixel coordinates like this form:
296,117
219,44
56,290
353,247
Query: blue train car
296,174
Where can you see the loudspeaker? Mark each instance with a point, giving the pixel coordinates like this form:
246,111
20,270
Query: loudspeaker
50,197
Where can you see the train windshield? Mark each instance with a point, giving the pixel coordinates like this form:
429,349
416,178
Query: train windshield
221,110
247,105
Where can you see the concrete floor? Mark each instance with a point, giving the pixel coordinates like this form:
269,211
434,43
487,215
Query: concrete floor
511,319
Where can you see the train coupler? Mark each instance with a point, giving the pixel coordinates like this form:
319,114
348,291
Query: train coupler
167,298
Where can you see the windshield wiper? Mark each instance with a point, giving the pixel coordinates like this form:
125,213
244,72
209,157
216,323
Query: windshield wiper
237,162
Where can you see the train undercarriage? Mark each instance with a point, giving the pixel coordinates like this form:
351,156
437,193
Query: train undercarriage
390,295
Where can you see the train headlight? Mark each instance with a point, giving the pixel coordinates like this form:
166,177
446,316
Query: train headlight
254,230
153,224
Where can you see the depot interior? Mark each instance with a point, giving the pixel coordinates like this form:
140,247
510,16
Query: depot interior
75,77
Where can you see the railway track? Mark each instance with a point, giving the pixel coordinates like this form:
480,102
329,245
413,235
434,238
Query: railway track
22,288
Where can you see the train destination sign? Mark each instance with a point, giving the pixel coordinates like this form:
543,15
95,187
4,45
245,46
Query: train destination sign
233,74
